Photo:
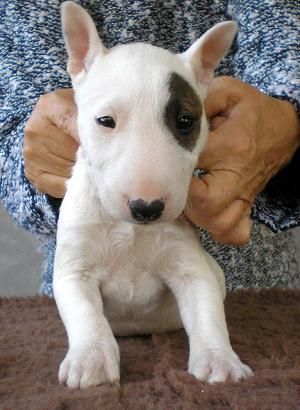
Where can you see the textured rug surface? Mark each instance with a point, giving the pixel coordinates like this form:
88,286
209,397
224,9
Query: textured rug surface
264,328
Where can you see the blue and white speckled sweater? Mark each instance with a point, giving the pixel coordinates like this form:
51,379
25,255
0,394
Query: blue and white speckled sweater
266,55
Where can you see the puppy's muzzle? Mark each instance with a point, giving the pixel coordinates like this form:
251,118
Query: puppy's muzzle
146,212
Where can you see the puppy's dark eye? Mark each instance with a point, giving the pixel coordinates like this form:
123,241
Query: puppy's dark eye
185,123
106,121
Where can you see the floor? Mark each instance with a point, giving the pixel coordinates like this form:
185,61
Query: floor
20,262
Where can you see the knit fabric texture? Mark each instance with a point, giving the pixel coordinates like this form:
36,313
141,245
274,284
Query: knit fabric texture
33,62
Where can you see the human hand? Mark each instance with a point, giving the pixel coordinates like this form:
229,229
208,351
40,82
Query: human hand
51,141
252,137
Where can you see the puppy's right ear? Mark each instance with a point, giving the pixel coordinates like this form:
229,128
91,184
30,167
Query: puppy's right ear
81,38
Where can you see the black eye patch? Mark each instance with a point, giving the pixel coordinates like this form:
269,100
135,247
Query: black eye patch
106,121
183,112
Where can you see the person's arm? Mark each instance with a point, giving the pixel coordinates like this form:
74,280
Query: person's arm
267,50
267,57
32,63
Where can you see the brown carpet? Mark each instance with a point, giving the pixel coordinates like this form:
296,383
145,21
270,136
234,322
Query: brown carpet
264,329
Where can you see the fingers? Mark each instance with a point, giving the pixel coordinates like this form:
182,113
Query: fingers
248,143
61,144
50,164
228,219
218,99
233,225
215,201
66,120
240,235
60,109
51,184
39,142
213,193
51,155
230,226
50,142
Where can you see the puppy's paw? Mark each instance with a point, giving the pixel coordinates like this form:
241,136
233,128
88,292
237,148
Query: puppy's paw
90,365
215,366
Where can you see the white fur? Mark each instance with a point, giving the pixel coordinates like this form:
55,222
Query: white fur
113,276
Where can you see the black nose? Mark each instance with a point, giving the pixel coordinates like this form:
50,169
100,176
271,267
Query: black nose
144,211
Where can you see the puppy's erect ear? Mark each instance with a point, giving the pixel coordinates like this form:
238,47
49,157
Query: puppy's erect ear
207,52
81,38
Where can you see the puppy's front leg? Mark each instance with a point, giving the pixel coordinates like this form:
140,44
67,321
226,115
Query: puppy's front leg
93,356
200,303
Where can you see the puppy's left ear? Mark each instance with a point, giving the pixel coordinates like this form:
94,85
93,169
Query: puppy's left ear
206,53
81,38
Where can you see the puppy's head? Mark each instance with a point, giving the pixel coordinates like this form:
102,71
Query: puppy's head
141,119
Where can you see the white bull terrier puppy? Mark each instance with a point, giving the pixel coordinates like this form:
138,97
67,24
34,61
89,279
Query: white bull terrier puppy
126,262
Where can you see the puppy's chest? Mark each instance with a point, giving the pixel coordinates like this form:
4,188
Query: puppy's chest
130,264
125,293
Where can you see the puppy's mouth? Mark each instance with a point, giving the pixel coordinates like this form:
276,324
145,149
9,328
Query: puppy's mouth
140,220
145,222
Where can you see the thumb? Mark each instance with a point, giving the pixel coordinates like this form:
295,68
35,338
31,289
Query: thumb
66,120
214,192
61,111
239,235
222,95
